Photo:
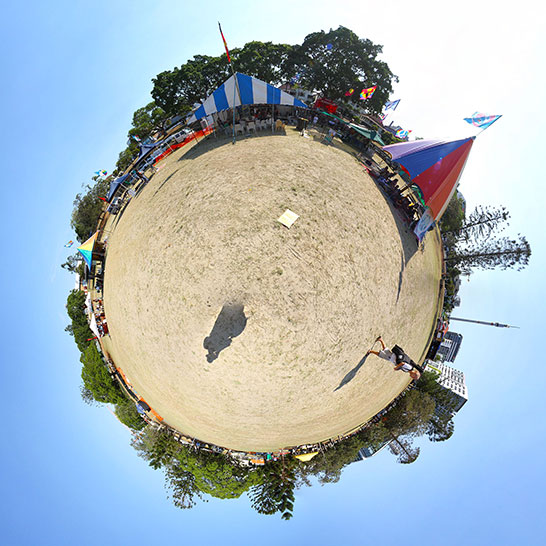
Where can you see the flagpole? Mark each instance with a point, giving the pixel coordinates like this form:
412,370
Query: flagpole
236,88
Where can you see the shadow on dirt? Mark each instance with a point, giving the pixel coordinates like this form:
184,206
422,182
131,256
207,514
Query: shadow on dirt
350,376
230,323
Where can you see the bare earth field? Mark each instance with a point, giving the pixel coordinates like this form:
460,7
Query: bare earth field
249,335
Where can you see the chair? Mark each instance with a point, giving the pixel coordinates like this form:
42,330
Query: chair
251,126
239,129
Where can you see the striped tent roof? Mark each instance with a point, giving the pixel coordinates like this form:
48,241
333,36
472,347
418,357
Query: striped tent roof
435,166
253,91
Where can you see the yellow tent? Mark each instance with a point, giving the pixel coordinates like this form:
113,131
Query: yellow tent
306,456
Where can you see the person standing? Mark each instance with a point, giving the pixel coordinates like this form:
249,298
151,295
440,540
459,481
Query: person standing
399,358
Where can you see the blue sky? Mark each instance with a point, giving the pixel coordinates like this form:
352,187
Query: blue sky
73,74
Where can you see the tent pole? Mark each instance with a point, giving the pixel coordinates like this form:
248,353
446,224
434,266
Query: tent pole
234,89
272,118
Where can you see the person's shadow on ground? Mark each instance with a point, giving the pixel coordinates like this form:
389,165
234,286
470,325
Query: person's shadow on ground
350,376
229,324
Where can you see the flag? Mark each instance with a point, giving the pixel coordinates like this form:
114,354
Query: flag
102,173
329,46
136,137
391,105
225,43
367,93
350,92
401,133
482,121
106,200
69,244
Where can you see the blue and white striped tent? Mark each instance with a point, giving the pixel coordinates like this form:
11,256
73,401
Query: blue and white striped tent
253,91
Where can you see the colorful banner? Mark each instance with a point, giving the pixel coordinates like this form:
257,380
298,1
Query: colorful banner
368,92
391,105
350,92
482,121
69,244
225,43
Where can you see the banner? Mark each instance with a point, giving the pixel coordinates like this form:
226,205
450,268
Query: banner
424,225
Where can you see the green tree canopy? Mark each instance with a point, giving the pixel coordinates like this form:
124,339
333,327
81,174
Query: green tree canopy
488,253
411,415
97,379
275,491
127,413
79,328
351,62
87,209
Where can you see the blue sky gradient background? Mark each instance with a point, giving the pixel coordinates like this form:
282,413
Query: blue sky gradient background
73,74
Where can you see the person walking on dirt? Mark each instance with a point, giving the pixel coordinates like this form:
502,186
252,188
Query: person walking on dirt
399,358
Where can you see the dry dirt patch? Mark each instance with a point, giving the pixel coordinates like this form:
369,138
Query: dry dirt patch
241,332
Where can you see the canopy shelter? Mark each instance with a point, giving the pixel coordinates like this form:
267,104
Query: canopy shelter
145,150
367,133
86,250
306,456
93,325
114,185
88,304
253,91
435,166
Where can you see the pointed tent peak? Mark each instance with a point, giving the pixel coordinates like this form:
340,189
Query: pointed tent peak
249,90
86,249
435,166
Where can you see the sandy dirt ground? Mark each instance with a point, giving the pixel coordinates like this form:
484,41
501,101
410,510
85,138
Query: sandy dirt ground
249,335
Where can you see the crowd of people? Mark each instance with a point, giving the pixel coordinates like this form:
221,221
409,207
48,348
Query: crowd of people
100,317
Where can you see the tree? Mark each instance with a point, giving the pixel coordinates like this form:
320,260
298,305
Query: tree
147,120
87,395
403,449
440,426
175,91
481,223
454,216
265,61
180,483
491,253
215,475
411,415
97,379
75,307
350,62
87,209
127,413
275,492
74,264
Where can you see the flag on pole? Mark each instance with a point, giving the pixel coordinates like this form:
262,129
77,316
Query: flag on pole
482,121
69,244
350,92
368,92
225,43
391,105
102,173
